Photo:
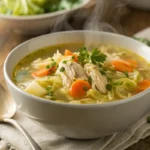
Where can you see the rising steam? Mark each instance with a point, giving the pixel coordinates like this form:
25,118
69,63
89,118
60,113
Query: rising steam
104,16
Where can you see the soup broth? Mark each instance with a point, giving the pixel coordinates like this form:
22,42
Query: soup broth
72,73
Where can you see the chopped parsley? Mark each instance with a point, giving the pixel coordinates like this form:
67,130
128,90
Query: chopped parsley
102,72
97,56
65,61
126,74
48,66
83,55
109,87
90,79
73,57
49,91
62,69
85,88
51,65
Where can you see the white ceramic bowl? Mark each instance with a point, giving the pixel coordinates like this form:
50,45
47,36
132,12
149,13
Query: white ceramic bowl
141,4
37,24
72,120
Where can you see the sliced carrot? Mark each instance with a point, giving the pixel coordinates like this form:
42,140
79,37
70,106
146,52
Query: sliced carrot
143,85
69,53
79,88
132,62
123,66
43,72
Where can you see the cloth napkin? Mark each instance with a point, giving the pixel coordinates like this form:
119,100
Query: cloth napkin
50,141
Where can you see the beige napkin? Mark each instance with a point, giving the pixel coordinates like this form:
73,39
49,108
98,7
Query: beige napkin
50,141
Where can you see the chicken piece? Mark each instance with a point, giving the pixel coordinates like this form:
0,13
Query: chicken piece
72,71
66,80
99,81
79,71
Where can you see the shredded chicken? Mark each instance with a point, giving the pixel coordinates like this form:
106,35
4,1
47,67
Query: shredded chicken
99,81
113,56
72,71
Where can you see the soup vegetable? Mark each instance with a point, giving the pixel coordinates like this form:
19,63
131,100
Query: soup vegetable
87,76
34,7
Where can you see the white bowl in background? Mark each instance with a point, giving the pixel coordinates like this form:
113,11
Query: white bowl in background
73,120
37,24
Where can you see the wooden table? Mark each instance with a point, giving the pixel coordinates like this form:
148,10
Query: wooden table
131,22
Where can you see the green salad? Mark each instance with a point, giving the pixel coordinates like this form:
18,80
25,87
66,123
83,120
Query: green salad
35,7
143,40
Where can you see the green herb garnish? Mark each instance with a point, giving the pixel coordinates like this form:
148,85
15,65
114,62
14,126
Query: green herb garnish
51,65
97,56
90,79
48,66
83,55
102,72
85,88
65,61
62,69
126,74
109,87
49,91
73,57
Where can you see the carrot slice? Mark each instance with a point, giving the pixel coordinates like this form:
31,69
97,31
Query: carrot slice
123,66
69,53
43,72
143,85
79,88
132,62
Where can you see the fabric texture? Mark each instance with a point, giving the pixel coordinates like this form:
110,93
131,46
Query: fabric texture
50,141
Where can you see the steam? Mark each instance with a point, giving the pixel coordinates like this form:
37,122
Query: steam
103,15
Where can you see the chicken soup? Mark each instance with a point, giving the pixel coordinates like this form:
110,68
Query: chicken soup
80,75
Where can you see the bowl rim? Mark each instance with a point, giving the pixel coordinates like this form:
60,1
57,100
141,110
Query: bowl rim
36,98
46,15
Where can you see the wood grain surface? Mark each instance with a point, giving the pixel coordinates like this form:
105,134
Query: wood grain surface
130,22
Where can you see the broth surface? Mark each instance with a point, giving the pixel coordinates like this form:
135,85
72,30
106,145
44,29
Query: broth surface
72,73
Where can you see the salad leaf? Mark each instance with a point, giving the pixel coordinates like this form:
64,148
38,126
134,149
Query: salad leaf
143,40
